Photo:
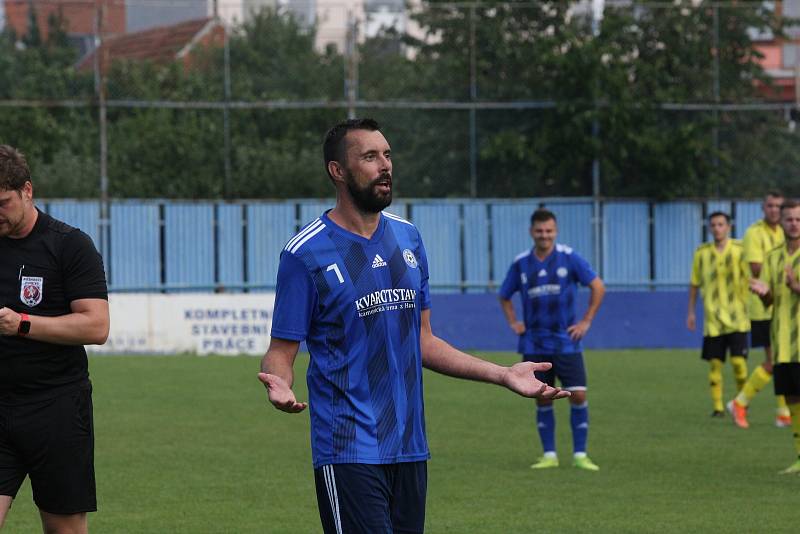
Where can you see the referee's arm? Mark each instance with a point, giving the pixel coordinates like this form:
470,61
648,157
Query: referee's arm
86,324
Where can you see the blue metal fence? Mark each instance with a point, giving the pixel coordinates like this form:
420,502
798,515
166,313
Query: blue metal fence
230,245
164,245
269,226
135,245
626,233
189,244
677,230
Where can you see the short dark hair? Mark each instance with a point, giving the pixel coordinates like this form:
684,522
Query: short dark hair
720,214
790,203
334,147
542,215
774,193
14,170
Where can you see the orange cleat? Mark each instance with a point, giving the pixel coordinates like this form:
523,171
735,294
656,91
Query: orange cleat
782,421
739,414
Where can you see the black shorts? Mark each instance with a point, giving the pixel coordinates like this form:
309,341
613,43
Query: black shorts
52,441
715,348
787,379
759,333
372,499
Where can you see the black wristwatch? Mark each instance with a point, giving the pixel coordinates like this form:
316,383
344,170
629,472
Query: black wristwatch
24,324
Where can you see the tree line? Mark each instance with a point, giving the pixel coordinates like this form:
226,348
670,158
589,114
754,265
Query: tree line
602,97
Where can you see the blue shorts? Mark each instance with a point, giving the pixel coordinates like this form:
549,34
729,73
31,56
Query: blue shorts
372,499
568,368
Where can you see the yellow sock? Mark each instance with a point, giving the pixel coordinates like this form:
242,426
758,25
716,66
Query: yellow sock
783,409
794,409
739,364
758,379
715,383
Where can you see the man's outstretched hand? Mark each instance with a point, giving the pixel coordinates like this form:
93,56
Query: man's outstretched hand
280,394
519,378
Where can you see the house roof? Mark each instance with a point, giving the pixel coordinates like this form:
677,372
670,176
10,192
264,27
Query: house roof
161,44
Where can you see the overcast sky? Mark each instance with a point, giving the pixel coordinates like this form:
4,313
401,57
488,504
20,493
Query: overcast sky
143,14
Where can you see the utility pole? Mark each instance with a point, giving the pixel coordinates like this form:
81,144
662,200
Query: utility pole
100,64
351,83
473,114
715,130
597,17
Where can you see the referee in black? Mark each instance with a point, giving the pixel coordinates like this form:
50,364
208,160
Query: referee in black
53,300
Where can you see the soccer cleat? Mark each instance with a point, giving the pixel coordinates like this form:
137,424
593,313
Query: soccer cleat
545,462
739,414
782,421
793,469
583,462
717,413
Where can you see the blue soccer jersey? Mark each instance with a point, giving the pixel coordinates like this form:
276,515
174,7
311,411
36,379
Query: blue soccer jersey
357,302
547,289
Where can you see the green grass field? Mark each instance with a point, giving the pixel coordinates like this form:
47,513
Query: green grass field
190,445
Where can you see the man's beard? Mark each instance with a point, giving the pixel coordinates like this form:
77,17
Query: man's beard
366,199
10,227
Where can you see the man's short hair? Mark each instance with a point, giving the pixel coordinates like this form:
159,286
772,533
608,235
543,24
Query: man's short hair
720,214
14,170
774,193
790,203
542,215
334,147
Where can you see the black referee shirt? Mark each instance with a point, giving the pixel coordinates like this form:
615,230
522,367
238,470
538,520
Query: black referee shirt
41,274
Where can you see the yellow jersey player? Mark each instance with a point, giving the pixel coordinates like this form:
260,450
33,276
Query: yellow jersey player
779,285
719,272
761,237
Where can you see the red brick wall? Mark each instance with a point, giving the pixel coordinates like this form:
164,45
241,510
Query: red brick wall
79,15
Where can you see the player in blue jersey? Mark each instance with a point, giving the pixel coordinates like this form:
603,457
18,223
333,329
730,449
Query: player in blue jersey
546,278
354,285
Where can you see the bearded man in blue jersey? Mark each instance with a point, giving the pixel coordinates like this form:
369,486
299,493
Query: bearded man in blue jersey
546,277
353,284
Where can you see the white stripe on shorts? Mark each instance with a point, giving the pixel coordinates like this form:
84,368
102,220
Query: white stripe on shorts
333,497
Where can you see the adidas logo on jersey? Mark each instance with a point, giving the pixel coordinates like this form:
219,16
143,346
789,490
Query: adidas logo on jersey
542,273
378,262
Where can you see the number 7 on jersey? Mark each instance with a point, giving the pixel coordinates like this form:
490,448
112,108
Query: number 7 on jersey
335,268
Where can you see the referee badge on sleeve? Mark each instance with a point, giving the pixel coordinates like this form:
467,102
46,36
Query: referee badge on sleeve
30,292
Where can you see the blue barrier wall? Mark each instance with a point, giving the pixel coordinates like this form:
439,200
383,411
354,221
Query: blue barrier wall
627,319
164,245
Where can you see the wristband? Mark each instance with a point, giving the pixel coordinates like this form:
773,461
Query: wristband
24,324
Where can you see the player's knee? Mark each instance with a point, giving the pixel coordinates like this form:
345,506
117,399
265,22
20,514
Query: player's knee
64,524
577,397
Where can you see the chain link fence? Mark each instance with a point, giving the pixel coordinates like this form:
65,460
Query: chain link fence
489,99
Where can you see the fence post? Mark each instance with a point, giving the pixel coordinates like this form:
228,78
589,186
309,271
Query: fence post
473,117
100,64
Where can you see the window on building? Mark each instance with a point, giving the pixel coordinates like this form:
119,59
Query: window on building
791,9
789,55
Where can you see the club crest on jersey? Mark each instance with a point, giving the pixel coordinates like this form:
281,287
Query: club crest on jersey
562,272
411,260
30,292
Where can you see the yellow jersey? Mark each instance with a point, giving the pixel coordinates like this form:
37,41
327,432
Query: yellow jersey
759,239
785,329
723,279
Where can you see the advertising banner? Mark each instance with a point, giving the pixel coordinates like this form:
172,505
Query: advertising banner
199,323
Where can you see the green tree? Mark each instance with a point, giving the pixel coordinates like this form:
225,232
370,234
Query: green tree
59,142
